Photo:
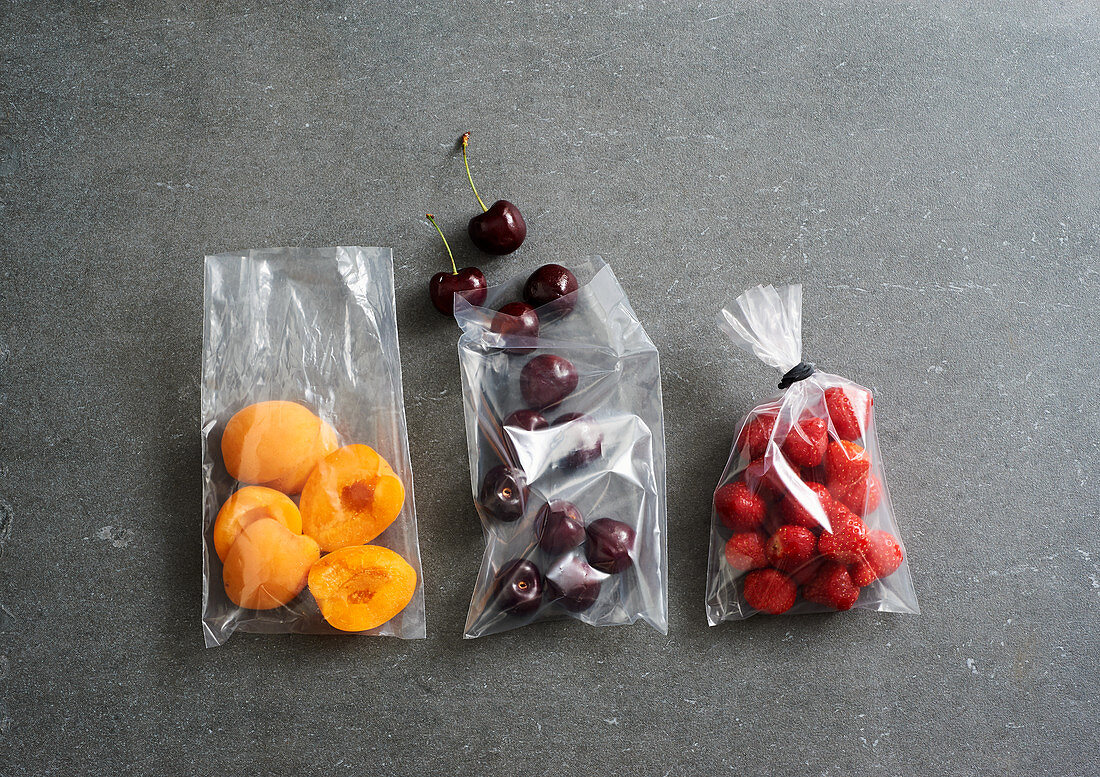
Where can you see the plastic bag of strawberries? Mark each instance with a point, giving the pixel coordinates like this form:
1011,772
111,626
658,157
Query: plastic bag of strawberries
802,520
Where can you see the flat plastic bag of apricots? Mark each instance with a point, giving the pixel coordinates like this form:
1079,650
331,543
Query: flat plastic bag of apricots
565,429
802,520
308,518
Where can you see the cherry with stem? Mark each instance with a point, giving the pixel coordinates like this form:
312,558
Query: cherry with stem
470,281
499,229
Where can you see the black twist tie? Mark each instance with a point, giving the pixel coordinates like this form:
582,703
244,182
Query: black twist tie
800,371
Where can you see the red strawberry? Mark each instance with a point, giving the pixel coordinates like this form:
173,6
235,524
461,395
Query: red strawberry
763,478
861,497
805,443
808,571
846,463
738,507
755,435
796,513
769,590
832,587
790,547
883,553
745,551
849,410
862,573
814,474
847,542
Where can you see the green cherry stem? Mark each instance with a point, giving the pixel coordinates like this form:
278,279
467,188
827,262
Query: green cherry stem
465,161
431,218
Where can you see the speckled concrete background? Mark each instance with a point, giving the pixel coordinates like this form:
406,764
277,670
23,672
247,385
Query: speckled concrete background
929,172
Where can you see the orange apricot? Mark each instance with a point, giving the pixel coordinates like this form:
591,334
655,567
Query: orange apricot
361,587
292,481
351,497
276,444
267,565
249,505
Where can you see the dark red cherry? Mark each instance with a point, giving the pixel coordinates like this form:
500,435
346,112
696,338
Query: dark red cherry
443,286
551,283
503,493
559,526
573,584
499,230
585,436
610,544
546,380
531,420
517,321
517,588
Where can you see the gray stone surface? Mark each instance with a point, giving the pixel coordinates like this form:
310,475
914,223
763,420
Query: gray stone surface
928,171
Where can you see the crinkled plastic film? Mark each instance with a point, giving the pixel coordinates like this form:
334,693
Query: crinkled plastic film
316,327
619,388
767,475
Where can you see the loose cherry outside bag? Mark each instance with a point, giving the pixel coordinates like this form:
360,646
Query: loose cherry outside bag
802,520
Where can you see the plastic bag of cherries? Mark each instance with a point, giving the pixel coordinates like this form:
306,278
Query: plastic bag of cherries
562,395
802,520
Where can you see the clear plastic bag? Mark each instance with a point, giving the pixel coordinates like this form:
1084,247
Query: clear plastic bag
559,538
802,520
301,394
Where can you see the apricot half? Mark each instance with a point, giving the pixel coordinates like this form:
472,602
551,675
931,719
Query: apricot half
249,505
276,444
351,497
361,587
267,565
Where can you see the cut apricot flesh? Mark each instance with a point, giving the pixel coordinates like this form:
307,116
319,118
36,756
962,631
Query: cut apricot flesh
351,497
267,565
249,505
360,588
276,444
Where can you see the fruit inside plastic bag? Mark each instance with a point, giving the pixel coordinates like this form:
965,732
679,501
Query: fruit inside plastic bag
565,426
309,523
802,520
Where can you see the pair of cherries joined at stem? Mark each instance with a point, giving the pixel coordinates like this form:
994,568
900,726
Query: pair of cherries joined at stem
497,230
